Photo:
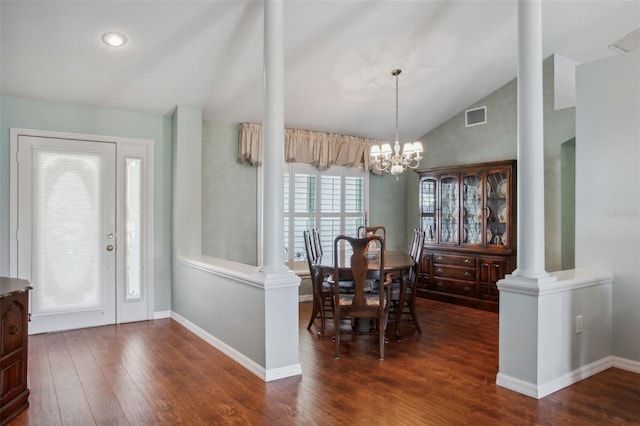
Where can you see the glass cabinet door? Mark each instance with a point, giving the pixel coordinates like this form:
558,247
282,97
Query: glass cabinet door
472,210
449,209
428,209
497,211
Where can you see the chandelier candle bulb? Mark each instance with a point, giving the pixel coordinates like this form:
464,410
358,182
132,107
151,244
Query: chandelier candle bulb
395,162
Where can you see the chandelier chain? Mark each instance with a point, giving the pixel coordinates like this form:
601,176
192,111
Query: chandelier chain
393,161
396,74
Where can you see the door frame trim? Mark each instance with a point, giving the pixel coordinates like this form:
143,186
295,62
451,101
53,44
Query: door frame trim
15,133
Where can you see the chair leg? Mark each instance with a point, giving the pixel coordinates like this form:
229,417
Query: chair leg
412,309
314,313
381,338
323,316
336,322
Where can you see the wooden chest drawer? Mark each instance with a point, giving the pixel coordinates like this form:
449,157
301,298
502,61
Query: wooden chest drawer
467,274
455,287
14,326
451,259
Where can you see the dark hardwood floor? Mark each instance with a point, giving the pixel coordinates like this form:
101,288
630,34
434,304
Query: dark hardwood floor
157,372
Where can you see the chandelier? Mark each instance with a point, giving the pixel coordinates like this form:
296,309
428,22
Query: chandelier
394,162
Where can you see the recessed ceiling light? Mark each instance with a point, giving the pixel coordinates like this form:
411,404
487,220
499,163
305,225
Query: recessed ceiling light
114,39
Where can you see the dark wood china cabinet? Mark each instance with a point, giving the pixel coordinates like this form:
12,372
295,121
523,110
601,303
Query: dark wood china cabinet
468,213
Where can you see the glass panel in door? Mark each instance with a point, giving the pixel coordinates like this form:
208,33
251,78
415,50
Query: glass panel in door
428,209
472,210
497,209
133,236
449,210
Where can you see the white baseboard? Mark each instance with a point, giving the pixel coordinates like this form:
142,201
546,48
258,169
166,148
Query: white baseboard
162,314
575,376
517,385
540,391
626,364
249,364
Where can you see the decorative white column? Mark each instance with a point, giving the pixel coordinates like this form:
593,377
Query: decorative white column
530,142
273,138
280,284
521,353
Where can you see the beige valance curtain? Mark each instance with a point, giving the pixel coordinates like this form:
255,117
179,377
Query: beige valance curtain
319,149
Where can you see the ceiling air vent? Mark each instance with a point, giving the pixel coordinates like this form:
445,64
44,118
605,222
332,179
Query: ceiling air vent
627,43
475,116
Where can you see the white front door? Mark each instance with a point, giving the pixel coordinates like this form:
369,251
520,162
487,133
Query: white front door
66,231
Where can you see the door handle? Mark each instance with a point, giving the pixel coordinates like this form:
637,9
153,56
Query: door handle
110,247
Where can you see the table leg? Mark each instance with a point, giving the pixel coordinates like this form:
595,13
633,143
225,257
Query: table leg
401,297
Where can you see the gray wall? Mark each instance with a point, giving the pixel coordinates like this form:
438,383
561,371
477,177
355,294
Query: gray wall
608,186
41,115
452,143
229,197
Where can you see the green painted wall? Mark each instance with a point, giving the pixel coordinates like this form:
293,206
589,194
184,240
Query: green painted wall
387,203
230,201
229,197
452,143
42,115
568,204
559,127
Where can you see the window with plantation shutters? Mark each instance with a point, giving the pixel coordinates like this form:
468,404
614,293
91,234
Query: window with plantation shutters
333,201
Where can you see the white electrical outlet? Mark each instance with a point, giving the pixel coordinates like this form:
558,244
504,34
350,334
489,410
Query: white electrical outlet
578,324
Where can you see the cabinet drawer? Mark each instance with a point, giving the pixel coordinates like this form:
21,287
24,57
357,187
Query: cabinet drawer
450,259
467,274
14,330
425,263
491,270
13,377
455,287
489,290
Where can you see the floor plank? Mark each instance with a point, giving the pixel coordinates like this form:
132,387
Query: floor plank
157,373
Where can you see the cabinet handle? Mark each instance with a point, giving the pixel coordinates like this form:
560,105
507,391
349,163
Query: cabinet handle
439,270
467,274
467,289
467,260
14,329
439,258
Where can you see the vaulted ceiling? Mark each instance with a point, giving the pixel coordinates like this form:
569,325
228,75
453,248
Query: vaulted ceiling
338,56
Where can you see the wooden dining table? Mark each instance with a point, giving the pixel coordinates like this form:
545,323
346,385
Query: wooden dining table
396,263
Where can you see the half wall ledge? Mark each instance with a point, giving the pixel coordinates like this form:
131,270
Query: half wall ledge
250,315
555,331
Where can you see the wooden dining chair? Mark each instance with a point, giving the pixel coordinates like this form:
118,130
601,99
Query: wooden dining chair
409,305
322,290
375,230
317,242
360,303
